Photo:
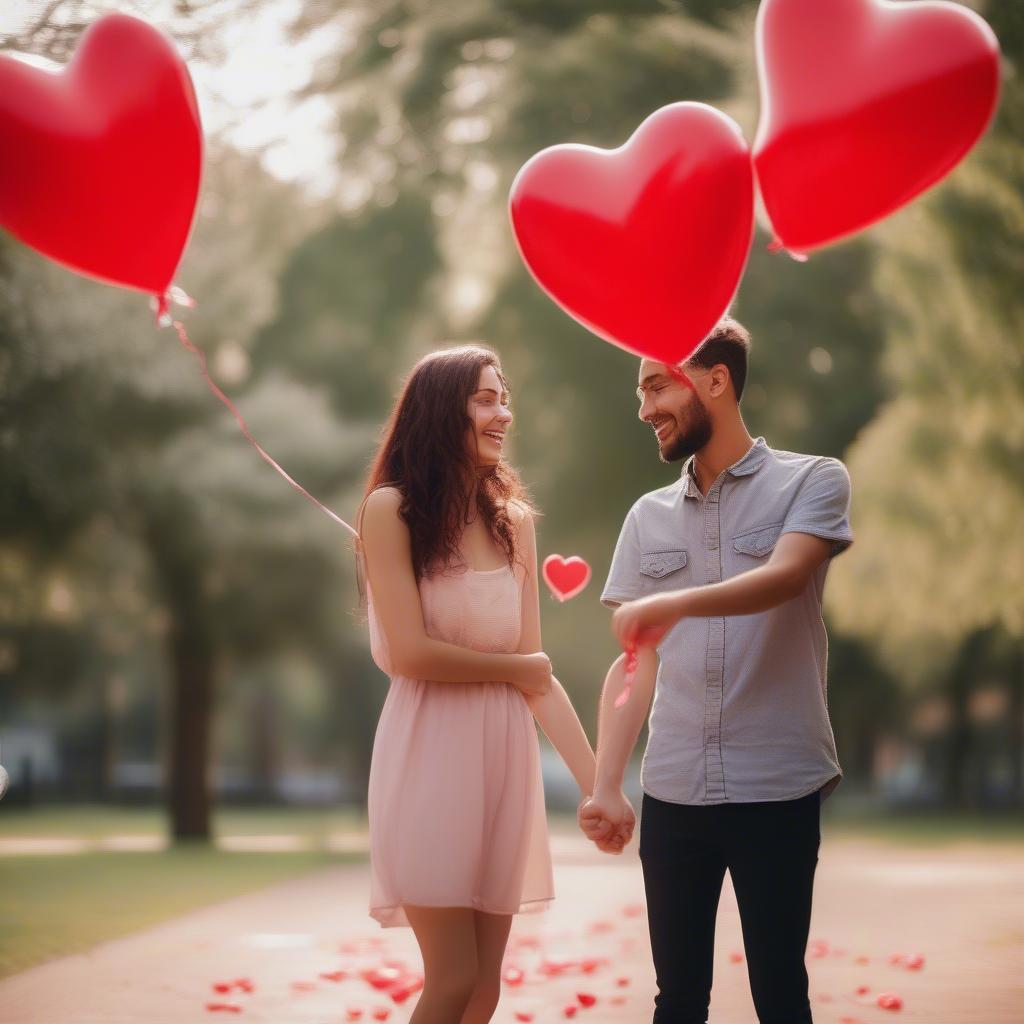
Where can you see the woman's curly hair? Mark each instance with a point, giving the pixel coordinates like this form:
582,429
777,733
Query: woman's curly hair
423,453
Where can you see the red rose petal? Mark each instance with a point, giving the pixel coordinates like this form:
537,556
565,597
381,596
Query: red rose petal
353,1013
381,1013
222,986
890,1001
863,990
524,1015
569,1010
229,1007
622,982
586,998
513,976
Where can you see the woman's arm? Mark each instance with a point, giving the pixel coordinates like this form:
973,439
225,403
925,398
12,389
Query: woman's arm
553,710
387,550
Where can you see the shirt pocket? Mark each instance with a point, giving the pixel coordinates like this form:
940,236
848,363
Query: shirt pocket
659,565
757,541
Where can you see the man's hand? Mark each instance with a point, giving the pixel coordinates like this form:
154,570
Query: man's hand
608,820
645,621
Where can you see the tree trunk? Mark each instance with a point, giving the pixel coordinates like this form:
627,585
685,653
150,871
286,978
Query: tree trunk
192,705
1015,685
191,652
969,665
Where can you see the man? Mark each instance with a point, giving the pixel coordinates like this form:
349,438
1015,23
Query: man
718,580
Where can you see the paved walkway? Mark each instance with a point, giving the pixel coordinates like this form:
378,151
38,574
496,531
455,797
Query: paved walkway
960,907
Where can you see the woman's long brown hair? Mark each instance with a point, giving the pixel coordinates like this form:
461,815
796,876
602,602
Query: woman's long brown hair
423,453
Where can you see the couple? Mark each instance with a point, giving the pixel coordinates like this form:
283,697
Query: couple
717,580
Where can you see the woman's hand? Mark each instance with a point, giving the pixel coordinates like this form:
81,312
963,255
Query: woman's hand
534,679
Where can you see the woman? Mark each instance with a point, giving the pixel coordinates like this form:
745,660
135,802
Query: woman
458,835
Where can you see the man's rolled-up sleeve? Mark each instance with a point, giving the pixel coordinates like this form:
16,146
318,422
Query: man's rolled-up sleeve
623,583
822,506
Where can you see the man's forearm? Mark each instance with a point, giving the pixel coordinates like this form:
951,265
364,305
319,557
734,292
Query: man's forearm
754,591
618,728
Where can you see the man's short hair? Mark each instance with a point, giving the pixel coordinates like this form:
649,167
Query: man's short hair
728,343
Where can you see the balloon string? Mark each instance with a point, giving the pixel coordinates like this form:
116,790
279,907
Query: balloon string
162,317
631,663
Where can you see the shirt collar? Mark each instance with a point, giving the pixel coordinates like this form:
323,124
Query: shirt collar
750,463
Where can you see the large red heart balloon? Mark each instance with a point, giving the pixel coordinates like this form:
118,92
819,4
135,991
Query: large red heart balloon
864,105
100,162
644,244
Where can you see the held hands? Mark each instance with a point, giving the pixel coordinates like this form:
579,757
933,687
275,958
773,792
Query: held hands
607,819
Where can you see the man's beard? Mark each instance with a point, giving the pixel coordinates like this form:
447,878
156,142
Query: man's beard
686,441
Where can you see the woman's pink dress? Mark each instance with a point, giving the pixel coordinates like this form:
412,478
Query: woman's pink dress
456,799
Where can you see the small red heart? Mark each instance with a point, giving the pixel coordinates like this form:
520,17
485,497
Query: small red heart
645,244
566,577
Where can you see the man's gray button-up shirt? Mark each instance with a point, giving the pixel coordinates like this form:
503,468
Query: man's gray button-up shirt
740,704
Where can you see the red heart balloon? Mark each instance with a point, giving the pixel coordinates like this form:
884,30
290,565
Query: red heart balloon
644,244
101,161
864,105
566,577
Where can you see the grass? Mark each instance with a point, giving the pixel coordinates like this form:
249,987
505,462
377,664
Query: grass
54,905
923,828
96,820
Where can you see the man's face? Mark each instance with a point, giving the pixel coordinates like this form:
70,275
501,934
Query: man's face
674,409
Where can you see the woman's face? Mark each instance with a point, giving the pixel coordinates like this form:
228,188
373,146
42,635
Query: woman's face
490,418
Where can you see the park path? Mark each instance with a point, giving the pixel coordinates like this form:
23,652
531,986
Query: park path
960,906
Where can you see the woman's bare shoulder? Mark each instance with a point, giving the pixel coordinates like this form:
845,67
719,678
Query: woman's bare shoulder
383,501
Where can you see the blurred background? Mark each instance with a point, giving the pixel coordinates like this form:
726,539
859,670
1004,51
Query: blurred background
180,633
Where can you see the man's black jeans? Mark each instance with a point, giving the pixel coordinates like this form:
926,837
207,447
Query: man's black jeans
771,852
